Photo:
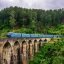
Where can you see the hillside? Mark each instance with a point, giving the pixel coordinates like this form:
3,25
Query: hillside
16,19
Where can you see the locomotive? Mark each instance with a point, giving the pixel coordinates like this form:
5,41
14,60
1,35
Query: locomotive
23,35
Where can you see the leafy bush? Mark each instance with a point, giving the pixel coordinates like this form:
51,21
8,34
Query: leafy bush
50,54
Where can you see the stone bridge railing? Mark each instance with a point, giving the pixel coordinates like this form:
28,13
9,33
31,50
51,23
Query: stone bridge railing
19,51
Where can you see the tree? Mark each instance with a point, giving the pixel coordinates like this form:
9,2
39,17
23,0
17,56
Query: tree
12,20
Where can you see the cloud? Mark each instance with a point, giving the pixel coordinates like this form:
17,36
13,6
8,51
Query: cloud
39,4
48,4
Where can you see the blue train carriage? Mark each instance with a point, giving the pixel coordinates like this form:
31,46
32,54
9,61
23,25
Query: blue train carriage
30,35
50,36
34,35
40,35
13,35
23,35
45,36
56,36
9,34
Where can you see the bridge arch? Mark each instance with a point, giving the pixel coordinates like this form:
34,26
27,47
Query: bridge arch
35,46
24,52
40,43
30,49
16,52
7,44
24,48
45,40
7,50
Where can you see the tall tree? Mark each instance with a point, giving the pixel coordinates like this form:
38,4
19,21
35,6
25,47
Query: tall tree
12,19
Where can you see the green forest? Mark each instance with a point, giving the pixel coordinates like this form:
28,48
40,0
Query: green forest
50,53
16,19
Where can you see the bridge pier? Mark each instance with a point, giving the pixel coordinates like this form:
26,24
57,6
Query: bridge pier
0,58
16,52
35,46
30,49
24,52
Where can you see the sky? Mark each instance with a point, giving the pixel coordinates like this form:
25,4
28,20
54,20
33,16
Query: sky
36,4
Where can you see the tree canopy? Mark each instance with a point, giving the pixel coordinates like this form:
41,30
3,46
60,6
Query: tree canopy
32,20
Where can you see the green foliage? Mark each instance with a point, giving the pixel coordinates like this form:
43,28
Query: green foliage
57,29
32,20
23,30
12,19
50,54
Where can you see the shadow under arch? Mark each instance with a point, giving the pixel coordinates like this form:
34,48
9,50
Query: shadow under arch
7,50
24,45
29,42
45,40
35,41
30,49
17,56
23,42
35,46
16,43
40,43
7,45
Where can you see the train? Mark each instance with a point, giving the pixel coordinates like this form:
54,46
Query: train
23,35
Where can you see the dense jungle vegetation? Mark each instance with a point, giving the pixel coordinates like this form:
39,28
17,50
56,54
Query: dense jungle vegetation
50,53
16,19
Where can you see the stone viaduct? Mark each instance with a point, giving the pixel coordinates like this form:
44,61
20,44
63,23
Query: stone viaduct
19,50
